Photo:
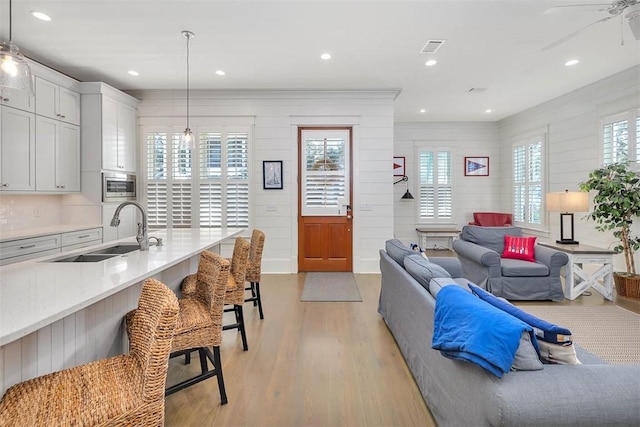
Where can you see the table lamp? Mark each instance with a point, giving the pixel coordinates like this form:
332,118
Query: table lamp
567,202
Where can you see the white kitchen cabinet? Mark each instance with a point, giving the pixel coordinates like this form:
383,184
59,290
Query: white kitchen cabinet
17,99
128,222
80,239
109,129
24,249
118,136
17,150
57,156
57,102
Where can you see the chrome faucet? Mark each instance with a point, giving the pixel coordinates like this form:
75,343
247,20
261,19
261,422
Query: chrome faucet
141,237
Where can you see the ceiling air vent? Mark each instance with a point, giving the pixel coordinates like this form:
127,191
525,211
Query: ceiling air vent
432,46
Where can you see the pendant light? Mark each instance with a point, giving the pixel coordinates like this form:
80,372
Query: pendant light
14,69
187,135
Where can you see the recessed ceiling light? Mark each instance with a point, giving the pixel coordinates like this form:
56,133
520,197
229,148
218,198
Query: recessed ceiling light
431,63
488,110
133,73
423,110
220,73
571,62
41,16
325,56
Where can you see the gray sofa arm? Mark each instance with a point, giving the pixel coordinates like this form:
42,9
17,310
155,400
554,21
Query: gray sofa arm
452,265
476,253
550,257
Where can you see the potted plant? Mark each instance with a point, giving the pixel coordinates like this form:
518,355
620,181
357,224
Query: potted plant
616,204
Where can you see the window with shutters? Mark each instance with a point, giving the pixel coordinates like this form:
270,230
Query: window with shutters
528,182
621,138
436,189
325,172
207,186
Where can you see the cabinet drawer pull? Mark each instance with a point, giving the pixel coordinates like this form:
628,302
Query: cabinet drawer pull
5,185
5,99
28,246
63,116
84,236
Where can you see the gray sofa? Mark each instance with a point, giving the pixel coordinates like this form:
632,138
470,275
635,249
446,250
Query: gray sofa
462,394
479,250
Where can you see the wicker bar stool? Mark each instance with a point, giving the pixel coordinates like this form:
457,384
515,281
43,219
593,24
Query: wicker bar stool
254,269
235,287
234,290
124,390
200,321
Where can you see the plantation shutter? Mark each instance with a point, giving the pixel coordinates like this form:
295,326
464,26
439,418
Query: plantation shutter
528,181
325,172
237,185
615,141
205,187
436,190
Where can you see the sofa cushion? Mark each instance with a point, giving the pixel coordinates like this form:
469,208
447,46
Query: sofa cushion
397,250
422,270
519,268
489,237
527,358
520,247
554,342
437,283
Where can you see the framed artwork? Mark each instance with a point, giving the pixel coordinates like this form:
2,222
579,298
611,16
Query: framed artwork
476,166
398,166
272,174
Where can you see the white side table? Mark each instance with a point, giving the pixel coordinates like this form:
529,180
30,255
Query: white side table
425,232
576,279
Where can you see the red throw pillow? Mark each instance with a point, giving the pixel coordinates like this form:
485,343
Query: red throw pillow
519,248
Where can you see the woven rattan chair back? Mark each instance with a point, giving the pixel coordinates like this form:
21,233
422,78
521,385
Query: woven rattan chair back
254,270
124,390
200,321
254,266
235,287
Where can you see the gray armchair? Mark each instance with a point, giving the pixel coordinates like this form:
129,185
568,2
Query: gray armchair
479,250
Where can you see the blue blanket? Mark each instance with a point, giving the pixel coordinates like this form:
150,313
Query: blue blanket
467,328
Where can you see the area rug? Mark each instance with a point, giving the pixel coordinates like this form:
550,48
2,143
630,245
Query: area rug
330,287
610,332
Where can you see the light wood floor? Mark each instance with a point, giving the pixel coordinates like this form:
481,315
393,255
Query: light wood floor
308,364
313,364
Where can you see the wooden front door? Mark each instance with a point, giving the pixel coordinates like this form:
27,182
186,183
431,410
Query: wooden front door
324,210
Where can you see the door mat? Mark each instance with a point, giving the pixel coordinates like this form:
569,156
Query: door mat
330,287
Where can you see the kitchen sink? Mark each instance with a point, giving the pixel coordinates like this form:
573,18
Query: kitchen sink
86,258
100,254
115,250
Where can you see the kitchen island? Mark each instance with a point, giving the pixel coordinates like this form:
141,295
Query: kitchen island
56,315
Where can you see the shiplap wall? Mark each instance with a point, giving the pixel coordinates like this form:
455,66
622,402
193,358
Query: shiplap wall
276,116
470,193
573,149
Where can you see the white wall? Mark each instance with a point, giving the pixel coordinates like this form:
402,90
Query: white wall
276,116
573,123
471,193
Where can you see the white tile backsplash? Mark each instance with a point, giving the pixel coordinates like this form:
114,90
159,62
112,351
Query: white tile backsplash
21,212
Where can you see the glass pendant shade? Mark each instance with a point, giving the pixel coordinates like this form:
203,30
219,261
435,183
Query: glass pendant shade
187,136
14,69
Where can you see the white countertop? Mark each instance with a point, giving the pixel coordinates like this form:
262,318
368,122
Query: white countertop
36,293
44,231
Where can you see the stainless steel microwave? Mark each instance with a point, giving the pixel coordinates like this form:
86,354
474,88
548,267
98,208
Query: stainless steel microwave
118,187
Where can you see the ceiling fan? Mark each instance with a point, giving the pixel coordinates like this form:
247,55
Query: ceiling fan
630,9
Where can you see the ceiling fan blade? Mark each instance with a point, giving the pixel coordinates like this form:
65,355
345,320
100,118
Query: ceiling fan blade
597,7
575,33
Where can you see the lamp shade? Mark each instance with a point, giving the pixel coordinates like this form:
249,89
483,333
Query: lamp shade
568,201
14,69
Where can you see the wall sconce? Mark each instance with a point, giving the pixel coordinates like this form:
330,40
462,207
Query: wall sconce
567,202
407,195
